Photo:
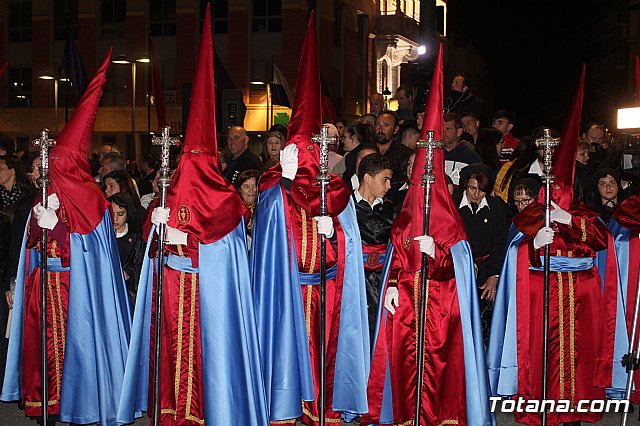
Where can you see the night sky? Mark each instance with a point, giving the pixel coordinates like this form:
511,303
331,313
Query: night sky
534,50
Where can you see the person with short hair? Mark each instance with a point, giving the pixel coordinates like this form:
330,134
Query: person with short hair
386,130
110,161
471,124
460,99
241,157
405,104
456,154
148,165
375,215
503,120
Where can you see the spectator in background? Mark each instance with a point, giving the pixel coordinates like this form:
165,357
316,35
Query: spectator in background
524,193
148,169
597,136
503,120
522,159
489,147
583,184
130,243
110,162
376,103
607,194
271,149
484,217
385,137
7,147
119,181
456,154
356,135
470,124
241,157
279,128
247,185
368,119
409,134
460,99
405,104
365,149
341,125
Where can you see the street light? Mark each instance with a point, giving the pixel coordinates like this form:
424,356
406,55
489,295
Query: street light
56,79
122,59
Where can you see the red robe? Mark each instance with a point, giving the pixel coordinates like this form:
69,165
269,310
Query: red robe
57,302
443,395
575,302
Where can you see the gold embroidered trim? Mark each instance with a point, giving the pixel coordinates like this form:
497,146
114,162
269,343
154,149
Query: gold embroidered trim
168,411
180,251
39,404
54,327
583,227
54,246
392,281
561,333
192,320
448,422
316,418
176,384
62,320
303,255
283,422
314,247
307,313
572,337
416,303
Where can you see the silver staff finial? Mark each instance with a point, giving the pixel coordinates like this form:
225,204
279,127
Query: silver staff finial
548,144
165,141
44,143
430,144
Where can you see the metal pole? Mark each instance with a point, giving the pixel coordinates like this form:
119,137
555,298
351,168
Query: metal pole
44,143
632,359
428,178
547,143
323,180
165,141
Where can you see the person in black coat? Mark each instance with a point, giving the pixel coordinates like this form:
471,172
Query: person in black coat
484,217
131,246
375,216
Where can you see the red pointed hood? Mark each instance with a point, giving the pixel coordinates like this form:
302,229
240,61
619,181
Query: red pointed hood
564,158
82,200
306,119
202,202
446,225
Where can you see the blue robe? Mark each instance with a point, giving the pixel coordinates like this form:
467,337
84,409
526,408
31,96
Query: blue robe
98,328
232,383
282,332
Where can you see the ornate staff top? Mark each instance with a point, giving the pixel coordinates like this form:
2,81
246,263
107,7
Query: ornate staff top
43,143
165,141
430,144
323,139
547,143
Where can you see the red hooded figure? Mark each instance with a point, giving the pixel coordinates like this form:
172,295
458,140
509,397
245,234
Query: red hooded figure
285,259
455,387
88,319
575,301
209,363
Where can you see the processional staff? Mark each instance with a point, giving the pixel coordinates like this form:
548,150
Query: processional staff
164,180
428,179
44,144
323,139
548,144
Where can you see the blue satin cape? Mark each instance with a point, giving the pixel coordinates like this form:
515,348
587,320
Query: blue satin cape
98,329
475,371
232,384
282,331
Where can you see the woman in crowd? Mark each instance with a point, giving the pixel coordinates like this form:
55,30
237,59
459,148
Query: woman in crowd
484,218
607,194
120,181
354,137
271,149
247,185
525,193
130,244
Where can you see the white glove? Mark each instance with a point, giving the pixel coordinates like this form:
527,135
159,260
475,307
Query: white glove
47,218
160,215
53,202
544,237
289,161
559,215
325,225
427,246
390,299
175,236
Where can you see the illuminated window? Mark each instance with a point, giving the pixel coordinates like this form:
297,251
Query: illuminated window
409,8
